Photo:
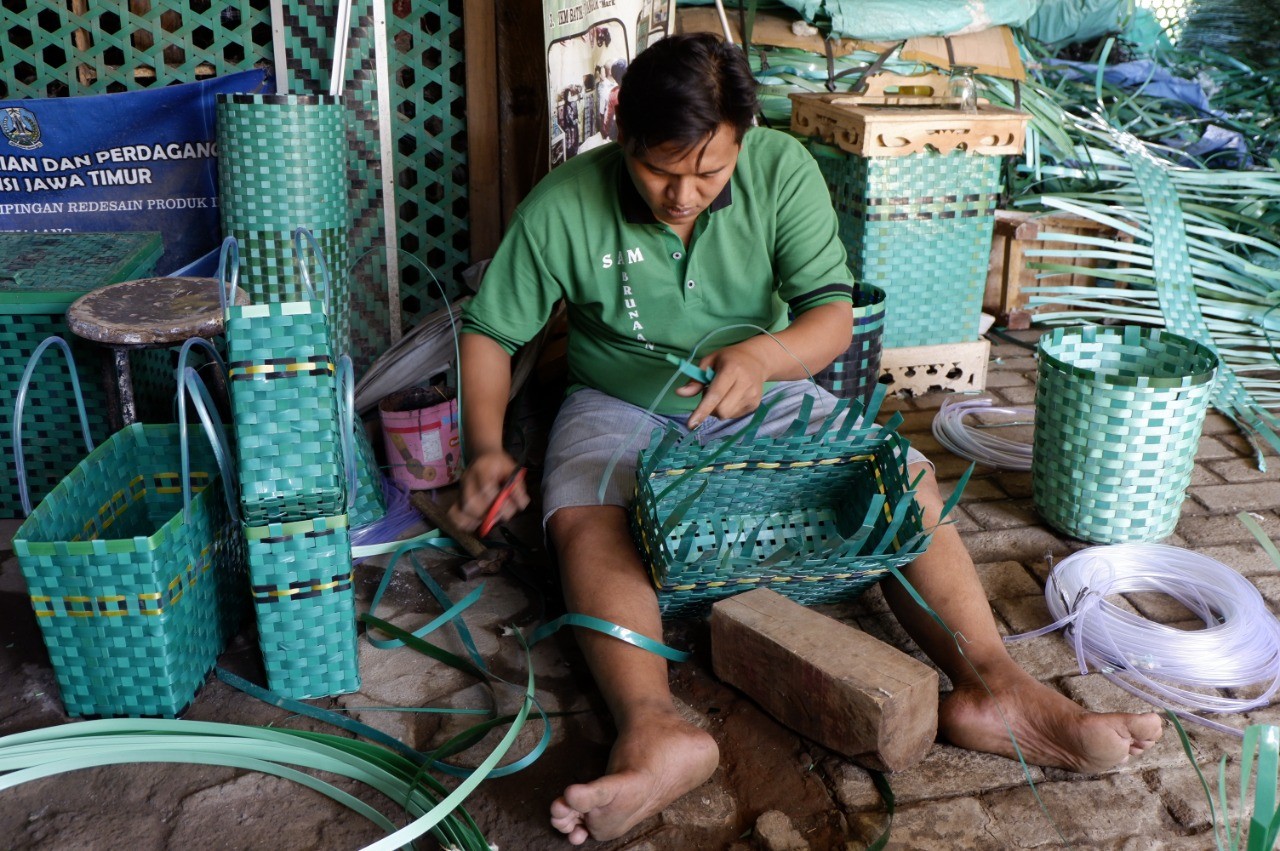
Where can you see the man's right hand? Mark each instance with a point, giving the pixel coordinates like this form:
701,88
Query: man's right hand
482,481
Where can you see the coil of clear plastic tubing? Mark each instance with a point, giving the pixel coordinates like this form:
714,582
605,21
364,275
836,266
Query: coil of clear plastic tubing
982,444
1238,647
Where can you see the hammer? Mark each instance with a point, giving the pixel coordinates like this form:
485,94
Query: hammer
484,561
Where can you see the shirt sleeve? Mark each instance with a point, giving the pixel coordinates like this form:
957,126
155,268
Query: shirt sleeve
517,293
810,257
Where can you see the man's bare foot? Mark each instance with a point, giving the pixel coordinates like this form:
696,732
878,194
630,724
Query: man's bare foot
656,759
1051,730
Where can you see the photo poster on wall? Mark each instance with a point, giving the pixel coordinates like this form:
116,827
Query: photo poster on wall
590,43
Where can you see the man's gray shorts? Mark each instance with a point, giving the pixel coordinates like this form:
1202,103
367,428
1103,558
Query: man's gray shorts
593,429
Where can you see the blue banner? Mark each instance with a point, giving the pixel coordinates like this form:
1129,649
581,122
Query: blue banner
133,161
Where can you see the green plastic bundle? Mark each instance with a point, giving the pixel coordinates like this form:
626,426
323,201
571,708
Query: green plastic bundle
1119,411
284,403
919,227
816,517
135,571
855,373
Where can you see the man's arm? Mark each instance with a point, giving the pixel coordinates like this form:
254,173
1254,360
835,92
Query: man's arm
485,374
814,340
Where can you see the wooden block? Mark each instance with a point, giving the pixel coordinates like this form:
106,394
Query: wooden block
826,680
953,367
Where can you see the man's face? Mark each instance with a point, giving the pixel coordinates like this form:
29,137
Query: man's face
679,185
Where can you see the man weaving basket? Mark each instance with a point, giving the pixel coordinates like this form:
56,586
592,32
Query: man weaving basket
696,221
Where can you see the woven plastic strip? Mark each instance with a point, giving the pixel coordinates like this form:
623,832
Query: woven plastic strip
371,501
815,517
134,602
1118,417
282,165
919,227
853,375
284,405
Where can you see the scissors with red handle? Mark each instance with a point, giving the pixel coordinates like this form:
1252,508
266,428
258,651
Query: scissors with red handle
491,516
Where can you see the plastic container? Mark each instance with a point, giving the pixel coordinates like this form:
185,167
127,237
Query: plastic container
420,433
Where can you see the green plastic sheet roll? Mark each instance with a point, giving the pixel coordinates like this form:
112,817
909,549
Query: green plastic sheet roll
1119,411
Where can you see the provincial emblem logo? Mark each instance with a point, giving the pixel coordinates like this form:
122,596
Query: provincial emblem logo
20,127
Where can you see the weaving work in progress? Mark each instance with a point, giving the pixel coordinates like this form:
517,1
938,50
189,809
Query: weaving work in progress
640,426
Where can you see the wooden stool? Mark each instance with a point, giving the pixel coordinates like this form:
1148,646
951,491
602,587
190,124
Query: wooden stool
146,313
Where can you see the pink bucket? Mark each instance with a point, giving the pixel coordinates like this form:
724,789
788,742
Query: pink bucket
420,433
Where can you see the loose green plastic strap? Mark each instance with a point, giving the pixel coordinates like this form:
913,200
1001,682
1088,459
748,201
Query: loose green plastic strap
228,273
20,401
449,614
611,629
881,783
1258,533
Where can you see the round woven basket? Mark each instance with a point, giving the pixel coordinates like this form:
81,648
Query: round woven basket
1118,417
282,164
853,375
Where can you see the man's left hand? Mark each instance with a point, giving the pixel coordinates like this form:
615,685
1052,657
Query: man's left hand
736,389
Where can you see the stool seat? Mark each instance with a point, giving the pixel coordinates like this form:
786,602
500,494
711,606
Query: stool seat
141,314
150,312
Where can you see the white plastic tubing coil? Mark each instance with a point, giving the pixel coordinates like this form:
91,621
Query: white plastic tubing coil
982,444
1238,648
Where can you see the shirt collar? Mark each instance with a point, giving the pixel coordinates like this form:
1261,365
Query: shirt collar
636,211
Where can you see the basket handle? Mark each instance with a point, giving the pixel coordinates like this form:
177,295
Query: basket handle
203,402
228,258
304,274
346,423
20,401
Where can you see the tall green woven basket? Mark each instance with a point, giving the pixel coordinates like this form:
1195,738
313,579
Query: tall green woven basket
854,374
1118,417
282,165
817,518
135,597
284,405
919,227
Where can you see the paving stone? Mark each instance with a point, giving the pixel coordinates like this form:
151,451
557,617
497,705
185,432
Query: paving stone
1006,514
1210,530
1216,423
1243,448
1202,475
1090,813
951,824
1228,499
1160,608
1021,396
1182,793
1017,485
709,807
775,832
1045,658
853,787
1212,449
1004,378
1026,544
1241,470
1248,558
1005,579
963,521
950,772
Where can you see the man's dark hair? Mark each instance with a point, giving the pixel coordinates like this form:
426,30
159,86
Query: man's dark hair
680,89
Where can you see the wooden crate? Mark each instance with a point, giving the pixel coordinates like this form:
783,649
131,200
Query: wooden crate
883,123
1016,233
949,367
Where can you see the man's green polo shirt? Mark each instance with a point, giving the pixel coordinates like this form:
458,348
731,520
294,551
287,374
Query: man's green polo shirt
767,243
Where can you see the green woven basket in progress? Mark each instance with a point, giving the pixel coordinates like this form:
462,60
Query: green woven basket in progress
918,227
1118,417
854,374
304,596
817,518
135,602
282,164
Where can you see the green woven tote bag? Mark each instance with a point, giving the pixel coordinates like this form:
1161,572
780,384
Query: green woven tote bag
281,364
302,582
816,517
135,568
1119,411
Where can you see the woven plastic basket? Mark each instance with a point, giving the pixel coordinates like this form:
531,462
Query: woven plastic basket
371,501
135,597
1118,417
817,518
282,164
854,374
283,402
919,227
